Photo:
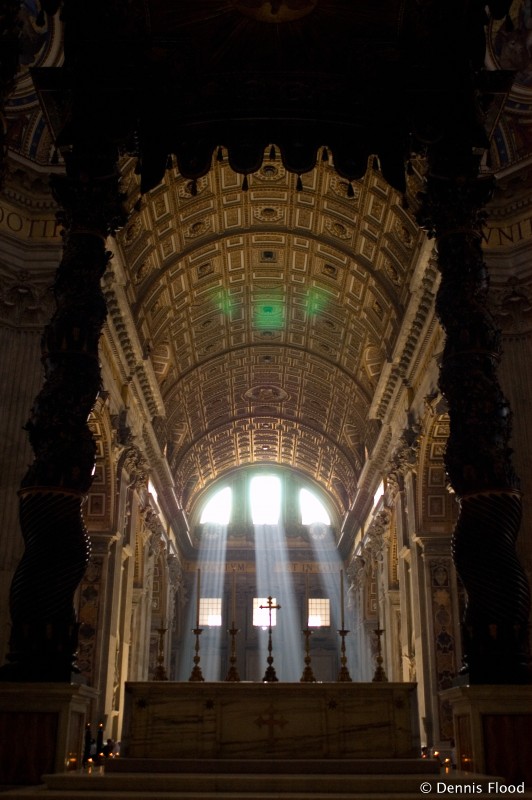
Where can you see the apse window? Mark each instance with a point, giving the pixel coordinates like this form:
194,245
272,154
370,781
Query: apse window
312,510
265,499
319,612
261,612
218,509
210,612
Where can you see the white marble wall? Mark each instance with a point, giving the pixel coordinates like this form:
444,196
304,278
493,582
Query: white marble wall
270,720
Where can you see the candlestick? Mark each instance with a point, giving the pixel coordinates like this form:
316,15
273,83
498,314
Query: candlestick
198,598
196,674
342,599
308,675
344,672
234,598
270,675
380,674
232,674
160,670
306,601
343,675
377,594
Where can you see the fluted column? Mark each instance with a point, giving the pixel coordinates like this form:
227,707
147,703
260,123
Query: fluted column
478,456
43,641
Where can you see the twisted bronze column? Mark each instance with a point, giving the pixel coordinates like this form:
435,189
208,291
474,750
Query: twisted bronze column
43,642
478,456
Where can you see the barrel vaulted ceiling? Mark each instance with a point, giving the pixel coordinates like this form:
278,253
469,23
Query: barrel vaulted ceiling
272,289
268,315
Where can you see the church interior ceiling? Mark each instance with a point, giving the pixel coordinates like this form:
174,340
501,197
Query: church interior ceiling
268,315
271,248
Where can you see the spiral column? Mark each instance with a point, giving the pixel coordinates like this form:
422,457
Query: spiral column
478,456
43,641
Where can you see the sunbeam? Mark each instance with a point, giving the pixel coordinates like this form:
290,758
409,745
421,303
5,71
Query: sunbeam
274,578
209,611
331,567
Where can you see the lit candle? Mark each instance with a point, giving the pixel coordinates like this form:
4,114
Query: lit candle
198,598
342,597
234,598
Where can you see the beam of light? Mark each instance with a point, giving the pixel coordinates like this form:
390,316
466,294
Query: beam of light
326,554
274,578
212,565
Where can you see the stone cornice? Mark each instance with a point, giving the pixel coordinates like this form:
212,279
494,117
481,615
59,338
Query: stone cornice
512,196
28,187
421,309
127,340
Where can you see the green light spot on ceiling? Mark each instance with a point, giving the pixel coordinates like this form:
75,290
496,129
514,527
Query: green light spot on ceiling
269,314
317,301
221,301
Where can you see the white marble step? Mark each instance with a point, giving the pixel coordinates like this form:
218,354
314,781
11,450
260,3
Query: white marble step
309,784
142,794
194,786
364,766
237,782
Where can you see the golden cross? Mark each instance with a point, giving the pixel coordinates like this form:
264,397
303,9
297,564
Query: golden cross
270,608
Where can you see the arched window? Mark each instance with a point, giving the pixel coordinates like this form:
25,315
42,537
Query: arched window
312,510
260,497
265,497
218,509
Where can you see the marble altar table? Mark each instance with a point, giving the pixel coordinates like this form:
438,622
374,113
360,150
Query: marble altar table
270,720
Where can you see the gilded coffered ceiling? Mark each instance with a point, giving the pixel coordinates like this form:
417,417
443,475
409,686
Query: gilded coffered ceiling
274,287
268,315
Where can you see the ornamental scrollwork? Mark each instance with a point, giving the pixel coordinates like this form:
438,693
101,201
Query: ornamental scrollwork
405,456
136,466
175,571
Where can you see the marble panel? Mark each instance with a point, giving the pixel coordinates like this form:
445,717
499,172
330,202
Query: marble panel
270,720
492,730
43,724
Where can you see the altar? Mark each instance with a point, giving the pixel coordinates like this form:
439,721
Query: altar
270,720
